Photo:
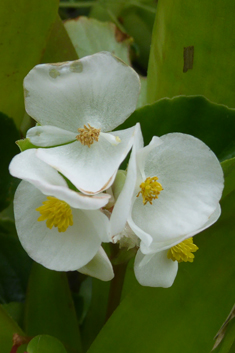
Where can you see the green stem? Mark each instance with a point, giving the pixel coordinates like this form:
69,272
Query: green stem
116,285
78,4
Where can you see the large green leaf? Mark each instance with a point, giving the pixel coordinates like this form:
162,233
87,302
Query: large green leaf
23,31
187,316
212,123
9,134
49,308
210,30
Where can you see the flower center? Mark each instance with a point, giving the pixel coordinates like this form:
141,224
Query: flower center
56,213
88,135
150,189
182,252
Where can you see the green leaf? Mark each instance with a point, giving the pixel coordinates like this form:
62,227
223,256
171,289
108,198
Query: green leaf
210,30
15,267
214,124
23,32
59,46
8,329
49,308
45,344
16,311
95,318
187,316
9,134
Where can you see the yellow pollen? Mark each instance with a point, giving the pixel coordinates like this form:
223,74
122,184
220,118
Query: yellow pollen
88,135
182,252
56,213
150,189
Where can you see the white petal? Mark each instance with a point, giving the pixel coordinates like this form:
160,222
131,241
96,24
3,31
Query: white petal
159,246
99,89
65,251
45,136
122,207
99,267
155,270
28,167
192,179
93,169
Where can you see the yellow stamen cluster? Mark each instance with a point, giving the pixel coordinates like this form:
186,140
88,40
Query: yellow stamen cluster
150,189
88,135
56,213
182,252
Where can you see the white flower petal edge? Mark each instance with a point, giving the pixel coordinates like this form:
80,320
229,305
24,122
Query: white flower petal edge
160,246
65,251
123,204
91,170
192,179
99,89
99,267
28,167
46,136
156,270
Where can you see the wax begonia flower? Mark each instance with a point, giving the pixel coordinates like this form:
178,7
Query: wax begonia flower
178,184
60,228
77,104
53,233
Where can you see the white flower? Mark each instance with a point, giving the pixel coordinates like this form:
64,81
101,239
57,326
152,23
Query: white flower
77,103
60,228
178,184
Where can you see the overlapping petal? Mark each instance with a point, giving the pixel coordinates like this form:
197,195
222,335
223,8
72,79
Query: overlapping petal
99,89
47,136
155,246
91,170
122,206
28,167
65,251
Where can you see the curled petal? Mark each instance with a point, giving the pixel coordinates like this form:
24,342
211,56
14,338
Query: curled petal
122,206
99,267
47,136
28,167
